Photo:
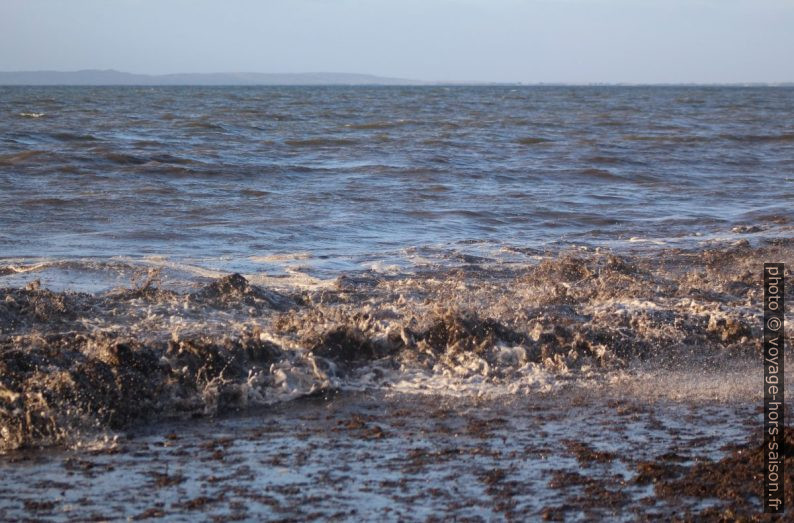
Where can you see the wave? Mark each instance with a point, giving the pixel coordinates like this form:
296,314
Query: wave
603,174
385,124
124,159
50,202
200,124
695,139
74,362
533,140
172,159
74,137
321,142
254,193
15,158
760,138
667,138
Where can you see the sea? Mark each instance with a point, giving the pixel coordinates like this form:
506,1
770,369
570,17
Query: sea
383,302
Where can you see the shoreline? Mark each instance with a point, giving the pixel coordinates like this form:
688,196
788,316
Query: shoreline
76,362
408,457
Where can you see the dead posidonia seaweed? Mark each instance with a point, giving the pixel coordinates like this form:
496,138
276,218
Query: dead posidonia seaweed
76,362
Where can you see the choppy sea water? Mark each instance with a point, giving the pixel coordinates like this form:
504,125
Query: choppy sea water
179,252
249,179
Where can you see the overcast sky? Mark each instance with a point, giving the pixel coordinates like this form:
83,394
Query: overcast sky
579,41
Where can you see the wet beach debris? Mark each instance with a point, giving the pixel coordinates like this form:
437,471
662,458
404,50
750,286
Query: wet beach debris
78,362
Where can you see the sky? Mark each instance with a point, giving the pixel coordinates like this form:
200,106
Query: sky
530,41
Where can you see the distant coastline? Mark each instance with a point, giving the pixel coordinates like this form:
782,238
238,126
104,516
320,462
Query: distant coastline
111,77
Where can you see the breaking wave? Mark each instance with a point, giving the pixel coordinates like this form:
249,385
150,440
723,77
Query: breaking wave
73,363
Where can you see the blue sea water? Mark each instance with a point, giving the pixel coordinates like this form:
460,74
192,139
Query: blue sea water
341,178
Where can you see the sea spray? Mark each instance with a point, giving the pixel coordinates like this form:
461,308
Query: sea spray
73,363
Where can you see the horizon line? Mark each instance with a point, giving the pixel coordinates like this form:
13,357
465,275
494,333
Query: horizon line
374,78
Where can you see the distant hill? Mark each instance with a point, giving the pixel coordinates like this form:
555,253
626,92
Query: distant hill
111,77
